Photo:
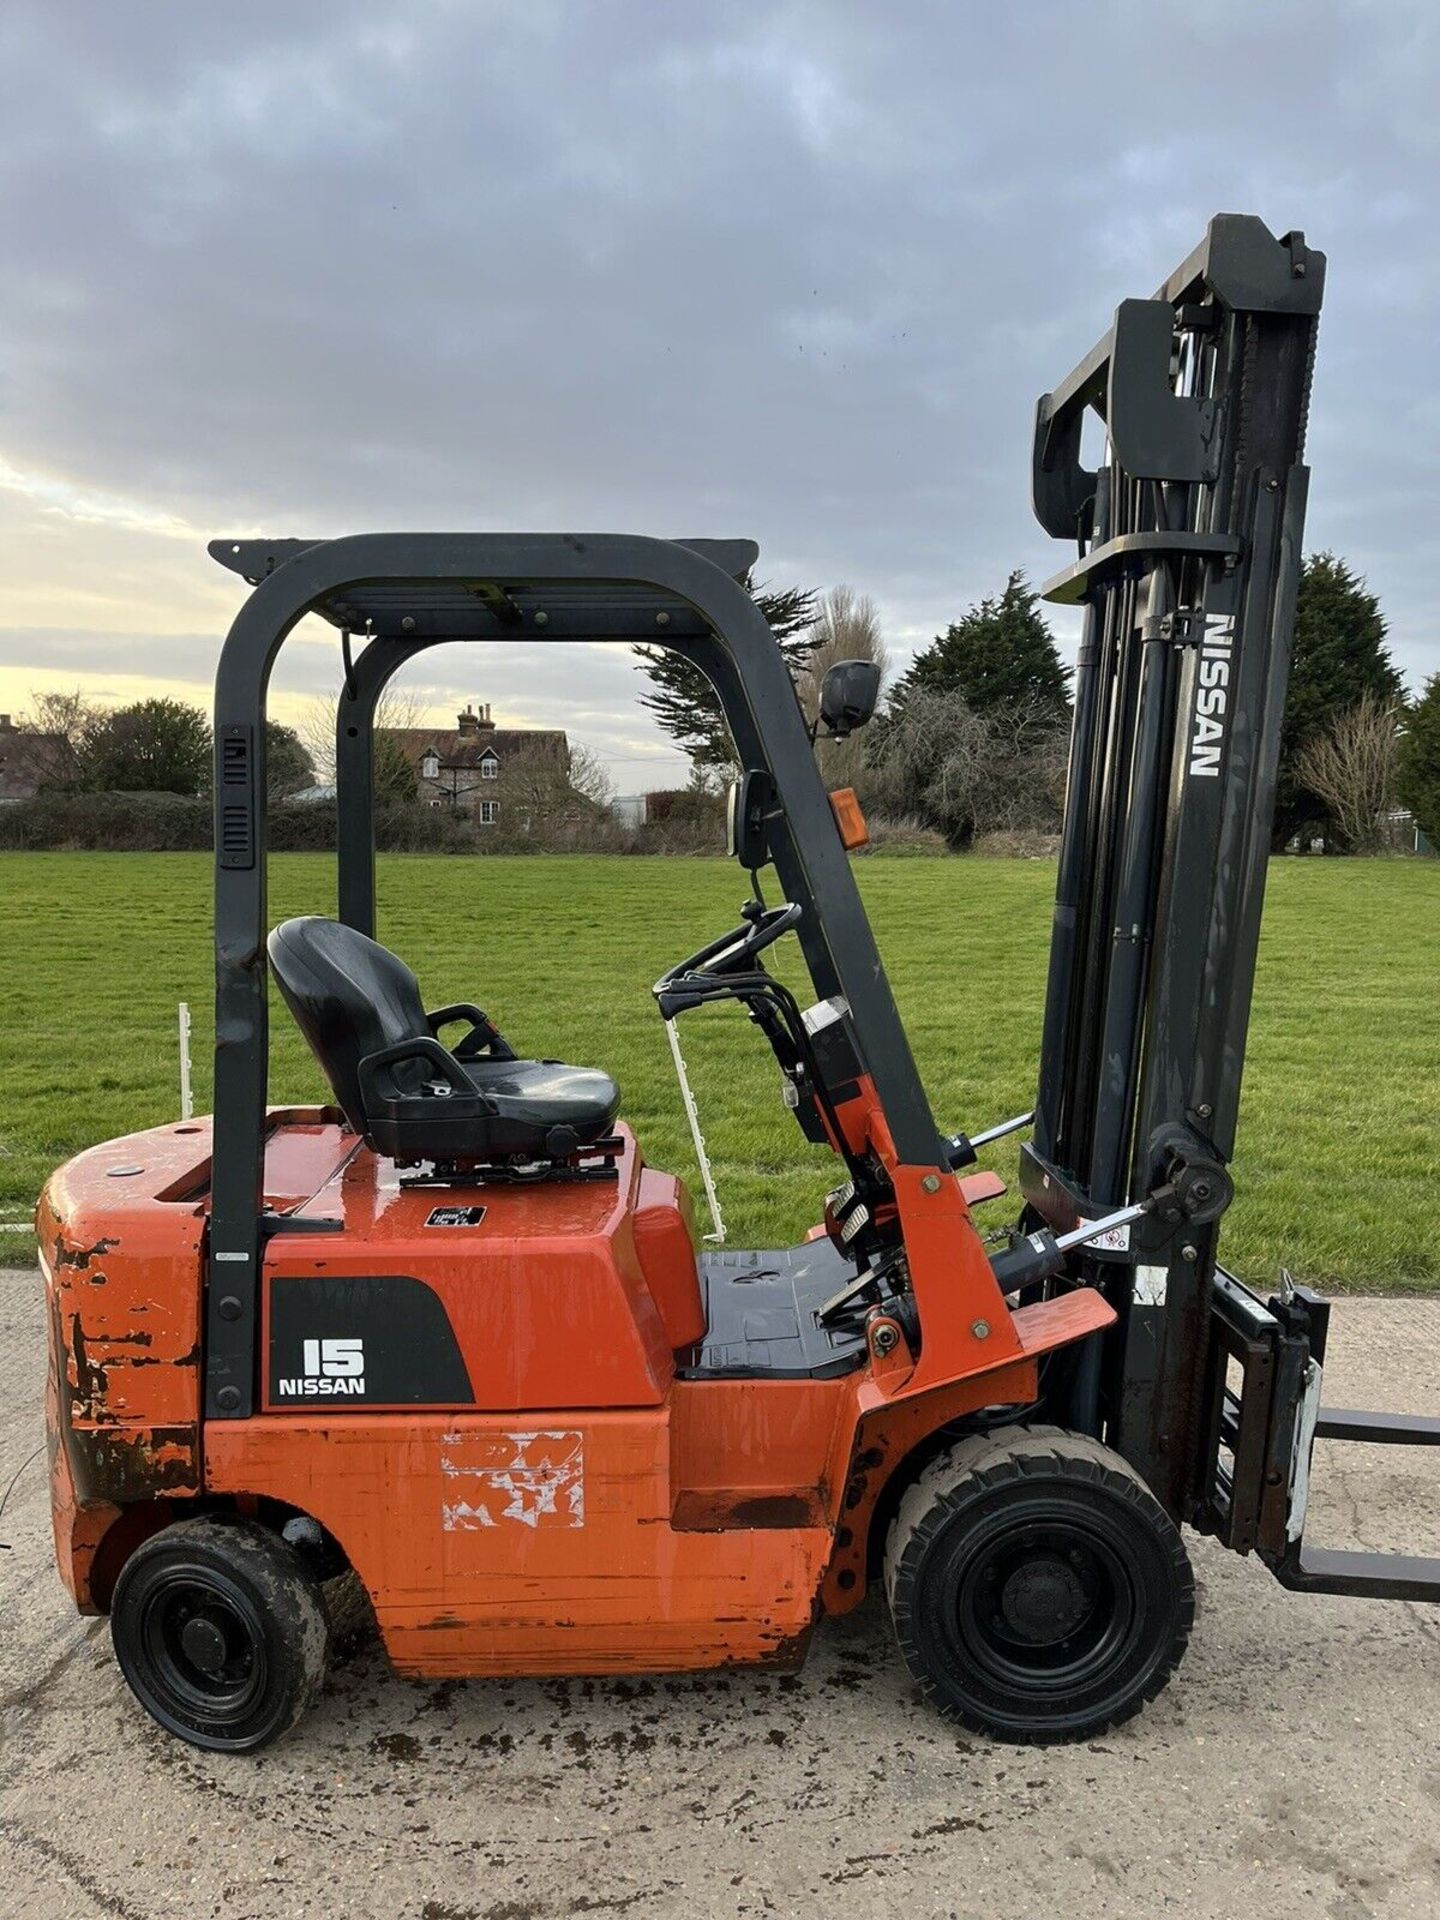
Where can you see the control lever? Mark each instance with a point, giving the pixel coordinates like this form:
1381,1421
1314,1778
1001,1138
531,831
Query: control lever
961,1150
1039,1254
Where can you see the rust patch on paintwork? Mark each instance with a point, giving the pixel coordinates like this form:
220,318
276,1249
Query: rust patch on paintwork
785,1654
87,1393
722,1510
111,1465
120,1467
122,1393
80,1257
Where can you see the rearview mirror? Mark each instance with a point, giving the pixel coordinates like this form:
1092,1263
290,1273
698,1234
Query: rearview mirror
750,799
847,696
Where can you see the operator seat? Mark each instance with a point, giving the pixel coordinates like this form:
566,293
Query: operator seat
407,1094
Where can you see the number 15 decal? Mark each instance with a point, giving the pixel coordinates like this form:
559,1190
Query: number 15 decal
334,1359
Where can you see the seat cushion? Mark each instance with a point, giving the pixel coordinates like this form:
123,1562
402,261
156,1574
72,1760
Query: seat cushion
541,1094
400,1087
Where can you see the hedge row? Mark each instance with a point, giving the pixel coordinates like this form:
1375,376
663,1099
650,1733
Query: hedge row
175,823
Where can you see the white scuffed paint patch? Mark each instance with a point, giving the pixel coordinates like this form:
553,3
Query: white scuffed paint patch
534,1479
461,1517
1151,1285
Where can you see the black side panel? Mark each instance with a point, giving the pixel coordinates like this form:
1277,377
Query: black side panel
347,1344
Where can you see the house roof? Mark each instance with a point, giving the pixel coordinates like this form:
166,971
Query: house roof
468,750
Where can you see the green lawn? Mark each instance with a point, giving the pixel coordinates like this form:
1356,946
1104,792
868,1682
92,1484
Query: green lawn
1340,1139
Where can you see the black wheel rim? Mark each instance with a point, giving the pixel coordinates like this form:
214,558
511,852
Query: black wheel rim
204,1646
1045,1608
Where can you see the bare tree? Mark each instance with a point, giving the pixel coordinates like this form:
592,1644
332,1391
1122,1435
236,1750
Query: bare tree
1351,767
932,767
56,730
968,773
316,728
397,707
848,628
541,790
590,777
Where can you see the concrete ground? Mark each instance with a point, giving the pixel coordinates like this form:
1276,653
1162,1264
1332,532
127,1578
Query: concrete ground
1292,1768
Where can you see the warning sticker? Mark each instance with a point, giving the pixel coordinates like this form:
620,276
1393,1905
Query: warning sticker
455,1217
1113,1240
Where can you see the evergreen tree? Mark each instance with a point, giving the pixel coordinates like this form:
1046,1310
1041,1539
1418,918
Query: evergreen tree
688,707
1418,775
155,746
1339,654
1000,654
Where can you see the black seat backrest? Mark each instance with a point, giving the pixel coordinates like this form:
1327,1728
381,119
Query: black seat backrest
350,997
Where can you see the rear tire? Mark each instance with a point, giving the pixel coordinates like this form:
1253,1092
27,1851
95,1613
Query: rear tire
221,1633
1039,1590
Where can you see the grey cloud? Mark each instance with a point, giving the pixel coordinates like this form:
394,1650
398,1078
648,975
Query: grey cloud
796,271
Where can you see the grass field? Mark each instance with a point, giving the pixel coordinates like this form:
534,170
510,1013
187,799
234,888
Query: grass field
1340,1139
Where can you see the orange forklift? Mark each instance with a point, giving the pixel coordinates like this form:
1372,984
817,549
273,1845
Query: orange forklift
448,1333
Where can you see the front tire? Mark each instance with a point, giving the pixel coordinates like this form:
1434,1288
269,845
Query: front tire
221,1633
1039,1590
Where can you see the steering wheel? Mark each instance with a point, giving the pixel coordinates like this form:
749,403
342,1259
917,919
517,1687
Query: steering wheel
734,952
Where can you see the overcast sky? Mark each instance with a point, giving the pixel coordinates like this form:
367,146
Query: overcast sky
791,271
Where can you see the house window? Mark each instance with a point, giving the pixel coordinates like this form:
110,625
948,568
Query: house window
489,768
430,766
489,812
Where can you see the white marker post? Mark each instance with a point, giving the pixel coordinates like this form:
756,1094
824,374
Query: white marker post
692,1115
187,1103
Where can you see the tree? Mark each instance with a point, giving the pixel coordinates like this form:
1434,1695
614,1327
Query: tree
316,733
1339,656
1417,775
541,790
394,780
966,773
154,746
685,703
55,730
397,707
1000,654
288,766
589,777
1350,768
847,628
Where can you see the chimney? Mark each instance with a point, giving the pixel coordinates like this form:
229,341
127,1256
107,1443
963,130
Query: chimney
6,724
485,724
468,722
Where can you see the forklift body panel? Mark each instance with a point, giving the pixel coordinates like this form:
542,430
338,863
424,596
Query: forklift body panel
543,1474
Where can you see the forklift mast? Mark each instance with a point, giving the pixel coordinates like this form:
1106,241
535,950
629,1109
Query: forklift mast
1189,536
1189,551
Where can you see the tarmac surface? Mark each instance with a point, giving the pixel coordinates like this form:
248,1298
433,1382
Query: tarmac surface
1292,1767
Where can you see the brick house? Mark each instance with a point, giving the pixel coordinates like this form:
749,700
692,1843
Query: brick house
466,768
23,759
